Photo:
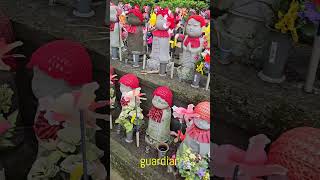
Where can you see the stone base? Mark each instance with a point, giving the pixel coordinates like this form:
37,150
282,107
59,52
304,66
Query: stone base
271,80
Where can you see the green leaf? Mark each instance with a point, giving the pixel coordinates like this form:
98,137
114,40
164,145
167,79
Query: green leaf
6,143
12,118
8,135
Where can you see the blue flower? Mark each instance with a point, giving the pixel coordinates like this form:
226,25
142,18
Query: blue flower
207,65
201,172
188,165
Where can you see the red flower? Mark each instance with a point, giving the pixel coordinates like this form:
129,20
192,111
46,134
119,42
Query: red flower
207,58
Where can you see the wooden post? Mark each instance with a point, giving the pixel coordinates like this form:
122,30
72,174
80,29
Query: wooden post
110,121
208,82
83,146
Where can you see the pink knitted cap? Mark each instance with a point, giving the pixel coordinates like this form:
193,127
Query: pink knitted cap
64,59
165,93
130,80
203,109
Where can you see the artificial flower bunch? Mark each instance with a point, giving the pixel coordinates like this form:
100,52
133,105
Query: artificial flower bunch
192,166
131,111
203,62
287,21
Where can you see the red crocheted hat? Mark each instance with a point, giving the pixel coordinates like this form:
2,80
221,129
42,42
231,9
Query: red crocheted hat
137,13
199,19
298,151
165,93
130,80
203,109
64,59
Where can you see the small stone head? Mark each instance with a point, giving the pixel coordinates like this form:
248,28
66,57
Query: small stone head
128,82
194,25
59,67
162,97
203,110
135,17
164,20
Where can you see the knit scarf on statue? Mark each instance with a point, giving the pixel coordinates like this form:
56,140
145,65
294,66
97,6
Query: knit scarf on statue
194,41
131,29
161,33
155,114
43,129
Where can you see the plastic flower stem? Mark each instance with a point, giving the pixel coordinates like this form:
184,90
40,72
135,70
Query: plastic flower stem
83,146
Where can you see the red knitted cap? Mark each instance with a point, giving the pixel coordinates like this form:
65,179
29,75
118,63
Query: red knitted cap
165,93
130,80
64,59
137,13
298,151
203,109
199,19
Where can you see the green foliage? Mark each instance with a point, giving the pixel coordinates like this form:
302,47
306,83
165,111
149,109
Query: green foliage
190,4
141,3
171,4
5,98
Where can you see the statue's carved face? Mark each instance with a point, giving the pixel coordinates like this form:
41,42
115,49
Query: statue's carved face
113,14
133,20
161,21
193,28
159,103
202,124
43,85
124,89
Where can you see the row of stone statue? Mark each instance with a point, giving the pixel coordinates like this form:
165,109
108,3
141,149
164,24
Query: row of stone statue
160,115
134,30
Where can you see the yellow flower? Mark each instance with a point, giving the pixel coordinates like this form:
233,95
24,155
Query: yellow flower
76,174
206,176
199,68
192,156
153,19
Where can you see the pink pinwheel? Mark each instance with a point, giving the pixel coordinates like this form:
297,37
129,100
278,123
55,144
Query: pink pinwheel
4,49
135,93
112,78
184,114
67,106
4,126
252,163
